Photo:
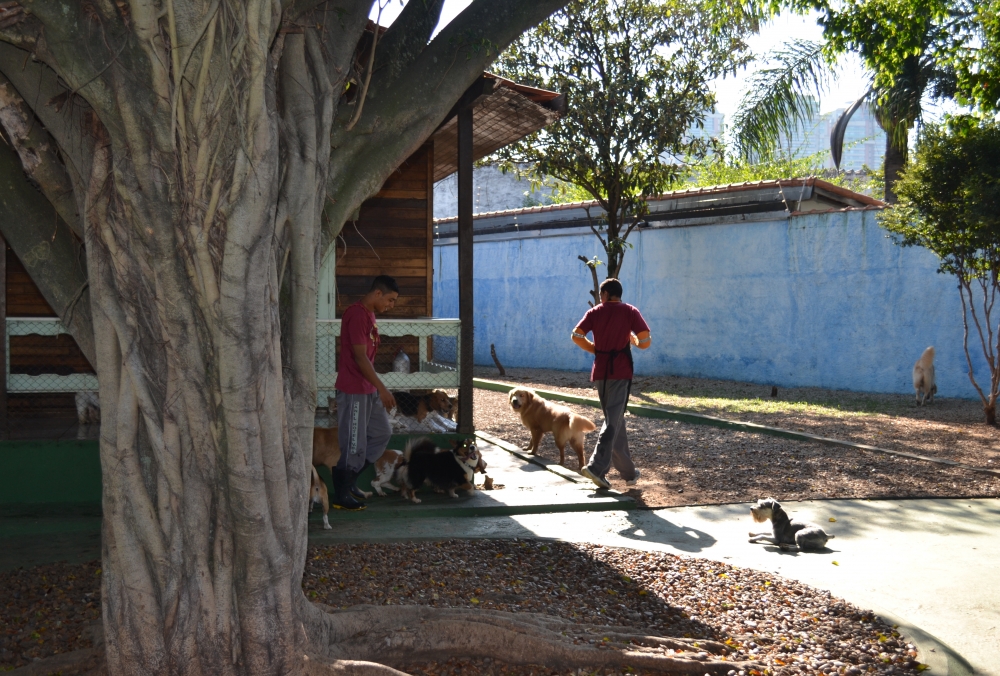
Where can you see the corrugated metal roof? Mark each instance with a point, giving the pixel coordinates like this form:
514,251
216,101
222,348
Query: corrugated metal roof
810,181
692,206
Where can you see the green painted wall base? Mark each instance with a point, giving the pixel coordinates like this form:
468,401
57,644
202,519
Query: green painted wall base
38,478
43,478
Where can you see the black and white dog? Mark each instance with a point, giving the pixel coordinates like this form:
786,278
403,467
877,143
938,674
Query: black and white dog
444,468
786,533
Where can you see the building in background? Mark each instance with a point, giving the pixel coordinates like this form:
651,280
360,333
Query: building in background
714,127
494,190
864,140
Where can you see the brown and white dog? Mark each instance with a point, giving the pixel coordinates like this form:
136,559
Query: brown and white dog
541,416
923,377
419,405
326,452
385,471
319,495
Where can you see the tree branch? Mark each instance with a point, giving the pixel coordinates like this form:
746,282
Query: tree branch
408,36
47,249
392,127
38,154
63,114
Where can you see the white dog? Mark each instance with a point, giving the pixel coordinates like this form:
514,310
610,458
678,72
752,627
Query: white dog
923,377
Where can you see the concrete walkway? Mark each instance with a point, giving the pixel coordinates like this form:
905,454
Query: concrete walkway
929,566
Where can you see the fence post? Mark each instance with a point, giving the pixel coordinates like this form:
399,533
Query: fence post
465,424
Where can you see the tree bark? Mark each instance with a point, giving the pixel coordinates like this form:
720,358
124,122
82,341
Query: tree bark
895,160
205,153
48,250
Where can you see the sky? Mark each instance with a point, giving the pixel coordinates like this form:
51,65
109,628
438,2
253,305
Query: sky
848,86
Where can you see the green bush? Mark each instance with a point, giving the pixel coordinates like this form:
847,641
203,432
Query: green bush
949,203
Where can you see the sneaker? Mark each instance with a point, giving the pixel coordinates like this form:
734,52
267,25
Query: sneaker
632,482
599,480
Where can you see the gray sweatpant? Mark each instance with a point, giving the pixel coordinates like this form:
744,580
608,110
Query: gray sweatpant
612,444
364,429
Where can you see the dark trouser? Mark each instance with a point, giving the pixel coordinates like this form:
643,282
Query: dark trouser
612,444
364,429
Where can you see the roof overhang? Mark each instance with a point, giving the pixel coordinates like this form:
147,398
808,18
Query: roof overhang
502,112
733,203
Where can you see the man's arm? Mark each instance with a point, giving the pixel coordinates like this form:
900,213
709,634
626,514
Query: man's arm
580,338
368,371
641,340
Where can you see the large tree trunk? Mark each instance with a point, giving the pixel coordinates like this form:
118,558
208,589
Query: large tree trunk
206,148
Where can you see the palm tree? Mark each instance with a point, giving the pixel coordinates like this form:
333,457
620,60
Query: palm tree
782,98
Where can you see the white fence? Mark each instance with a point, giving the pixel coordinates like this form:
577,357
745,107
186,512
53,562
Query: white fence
23,383
435,340
434,343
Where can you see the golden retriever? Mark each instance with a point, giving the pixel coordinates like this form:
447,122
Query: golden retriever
923,377
541,416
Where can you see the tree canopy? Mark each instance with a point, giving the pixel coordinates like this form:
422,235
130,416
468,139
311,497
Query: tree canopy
637,74
949,203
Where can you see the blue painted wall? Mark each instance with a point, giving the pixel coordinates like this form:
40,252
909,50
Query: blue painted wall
823,300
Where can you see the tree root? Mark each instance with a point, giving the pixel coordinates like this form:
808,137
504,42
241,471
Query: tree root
83,662
320,667
398,635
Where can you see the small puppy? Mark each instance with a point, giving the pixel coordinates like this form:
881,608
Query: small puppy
923,377
786,533
445,469
541,416
319,495
385,471
419,405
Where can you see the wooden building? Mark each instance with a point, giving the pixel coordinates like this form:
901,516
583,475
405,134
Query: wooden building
392,235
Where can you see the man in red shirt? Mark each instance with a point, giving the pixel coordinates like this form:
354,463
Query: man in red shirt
617,326
363,401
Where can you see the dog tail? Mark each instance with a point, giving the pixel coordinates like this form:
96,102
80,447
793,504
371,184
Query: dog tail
421,446
578,423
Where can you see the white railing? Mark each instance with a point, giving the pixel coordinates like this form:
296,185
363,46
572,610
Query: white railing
45,382
437,353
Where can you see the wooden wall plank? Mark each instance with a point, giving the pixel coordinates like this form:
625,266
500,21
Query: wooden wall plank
392,236
23,297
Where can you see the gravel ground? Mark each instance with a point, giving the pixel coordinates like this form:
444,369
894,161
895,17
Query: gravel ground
46,610
787,627
948,428
684,464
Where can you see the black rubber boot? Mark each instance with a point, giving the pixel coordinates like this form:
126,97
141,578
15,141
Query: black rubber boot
356,492
343,479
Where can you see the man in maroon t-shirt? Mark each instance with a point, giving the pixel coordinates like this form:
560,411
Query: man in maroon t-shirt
617,326
363,401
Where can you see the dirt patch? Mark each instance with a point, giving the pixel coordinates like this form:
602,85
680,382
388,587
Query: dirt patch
683,464
784,626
